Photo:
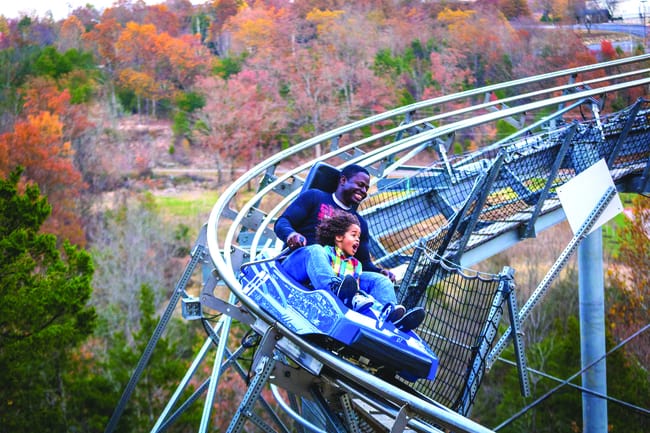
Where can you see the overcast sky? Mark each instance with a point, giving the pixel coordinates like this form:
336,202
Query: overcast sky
61,8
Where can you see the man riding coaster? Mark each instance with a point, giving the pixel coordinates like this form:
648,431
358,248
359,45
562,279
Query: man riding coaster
309,263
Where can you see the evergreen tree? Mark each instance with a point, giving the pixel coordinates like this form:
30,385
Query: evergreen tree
43,312
162,373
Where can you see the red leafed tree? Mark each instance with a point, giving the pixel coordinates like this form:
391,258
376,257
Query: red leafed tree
42,94
447,74
316,79
244,116
165,20
185,59
607,50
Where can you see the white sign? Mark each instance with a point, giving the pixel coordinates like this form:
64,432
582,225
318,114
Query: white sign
580,195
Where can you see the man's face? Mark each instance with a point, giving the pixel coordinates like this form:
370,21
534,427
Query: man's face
354,190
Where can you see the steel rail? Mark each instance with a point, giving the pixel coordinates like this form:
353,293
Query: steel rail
382,153
221,257
274,160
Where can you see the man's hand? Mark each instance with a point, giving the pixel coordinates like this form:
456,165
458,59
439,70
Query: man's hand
388,274
296,240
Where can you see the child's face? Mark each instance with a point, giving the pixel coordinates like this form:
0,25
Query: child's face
349,242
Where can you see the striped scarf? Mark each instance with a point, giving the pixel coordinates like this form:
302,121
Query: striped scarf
342,264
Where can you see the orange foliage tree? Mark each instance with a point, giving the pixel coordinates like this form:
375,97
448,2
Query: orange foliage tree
101,40
37,144
163,63
70,35
164,19
41,142
260,32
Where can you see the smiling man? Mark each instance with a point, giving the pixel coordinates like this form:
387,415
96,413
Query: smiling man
308,262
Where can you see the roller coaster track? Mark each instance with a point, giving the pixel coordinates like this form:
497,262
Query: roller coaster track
476,205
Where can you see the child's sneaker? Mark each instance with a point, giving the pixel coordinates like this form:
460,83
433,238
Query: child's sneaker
397,313
361,302
411,320
345,289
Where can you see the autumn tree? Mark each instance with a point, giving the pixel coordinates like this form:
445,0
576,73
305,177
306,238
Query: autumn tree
154,66
558,49
554,10
483,52
38,143
244,117
70,34
125,11
514,9
447,76
260,31
102,41
629,281
164,19
88,15
209,23
319,61
351,40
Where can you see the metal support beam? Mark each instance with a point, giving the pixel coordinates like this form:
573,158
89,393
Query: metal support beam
592,331
518,342
262,374
624,133
216,370
550,276
473,219
529,230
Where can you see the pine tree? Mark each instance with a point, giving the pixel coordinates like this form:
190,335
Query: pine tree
43,312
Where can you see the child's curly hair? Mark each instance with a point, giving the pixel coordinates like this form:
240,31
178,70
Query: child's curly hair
336,225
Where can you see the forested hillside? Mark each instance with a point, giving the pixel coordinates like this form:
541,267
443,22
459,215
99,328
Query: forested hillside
94,108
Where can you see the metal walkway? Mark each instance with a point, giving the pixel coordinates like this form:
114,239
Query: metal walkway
433,214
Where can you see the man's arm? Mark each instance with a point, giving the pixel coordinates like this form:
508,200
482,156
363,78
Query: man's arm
289,224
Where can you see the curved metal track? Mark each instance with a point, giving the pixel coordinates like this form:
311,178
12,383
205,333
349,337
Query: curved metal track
410,138
386,153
